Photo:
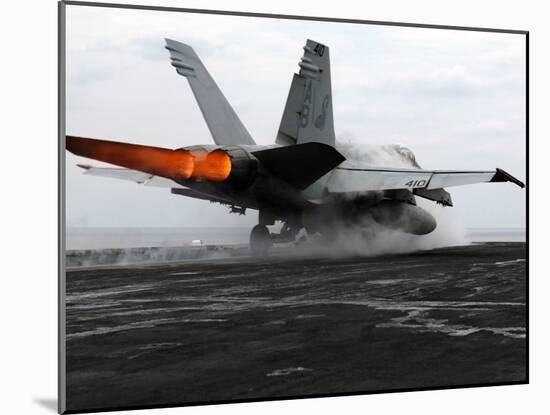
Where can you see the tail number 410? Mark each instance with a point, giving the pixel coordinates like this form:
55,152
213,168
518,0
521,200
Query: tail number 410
416,183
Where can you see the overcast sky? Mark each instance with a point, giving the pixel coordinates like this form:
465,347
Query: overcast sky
457,99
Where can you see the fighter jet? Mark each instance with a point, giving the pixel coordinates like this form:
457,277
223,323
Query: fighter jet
302,180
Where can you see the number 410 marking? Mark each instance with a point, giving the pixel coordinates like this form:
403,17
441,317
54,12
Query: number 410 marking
416,183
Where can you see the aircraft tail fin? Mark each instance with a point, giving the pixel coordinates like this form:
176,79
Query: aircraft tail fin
224,124
307,116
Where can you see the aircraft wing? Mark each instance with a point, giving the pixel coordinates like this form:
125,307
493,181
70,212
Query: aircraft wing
135,176
345,179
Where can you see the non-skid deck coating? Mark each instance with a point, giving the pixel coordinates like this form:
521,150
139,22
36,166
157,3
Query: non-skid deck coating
245,328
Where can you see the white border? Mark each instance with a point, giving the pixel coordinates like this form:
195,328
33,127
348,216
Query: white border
29,204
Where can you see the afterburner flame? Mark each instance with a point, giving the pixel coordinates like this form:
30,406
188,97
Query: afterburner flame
173,164
214,166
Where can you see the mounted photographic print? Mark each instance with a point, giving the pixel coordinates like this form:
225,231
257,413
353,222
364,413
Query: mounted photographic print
258,207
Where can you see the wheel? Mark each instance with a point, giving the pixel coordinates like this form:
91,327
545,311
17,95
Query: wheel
260,240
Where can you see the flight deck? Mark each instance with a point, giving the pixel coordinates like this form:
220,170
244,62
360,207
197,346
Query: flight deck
240,328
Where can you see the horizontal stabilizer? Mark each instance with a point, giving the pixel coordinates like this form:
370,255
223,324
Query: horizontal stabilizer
135,176
147,179
301,164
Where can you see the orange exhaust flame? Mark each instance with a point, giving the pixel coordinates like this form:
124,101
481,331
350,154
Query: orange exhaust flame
214,166
173,164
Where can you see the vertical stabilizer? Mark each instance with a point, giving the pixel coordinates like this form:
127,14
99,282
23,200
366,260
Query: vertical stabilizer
223,123
307,116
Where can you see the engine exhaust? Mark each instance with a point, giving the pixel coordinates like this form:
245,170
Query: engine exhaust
177,164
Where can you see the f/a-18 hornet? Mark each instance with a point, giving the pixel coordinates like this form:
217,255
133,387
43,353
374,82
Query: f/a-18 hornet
302,180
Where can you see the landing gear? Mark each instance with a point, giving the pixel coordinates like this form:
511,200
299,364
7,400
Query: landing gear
288,234
260,240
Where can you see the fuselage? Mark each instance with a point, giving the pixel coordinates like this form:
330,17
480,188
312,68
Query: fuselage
251,185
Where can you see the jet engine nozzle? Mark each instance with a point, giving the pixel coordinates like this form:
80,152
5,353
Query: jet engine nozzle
233,165
230,164
212,166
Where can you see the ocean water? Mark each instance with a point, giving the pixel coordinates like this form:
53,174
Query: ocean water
97,238
100,238
496,234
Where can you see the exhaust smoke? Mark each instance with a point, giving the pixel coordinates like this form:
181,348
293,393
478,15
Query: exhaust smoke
367,236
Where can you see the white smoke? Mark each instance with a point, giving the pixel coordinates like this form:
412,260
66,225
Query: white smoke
368,238
390,155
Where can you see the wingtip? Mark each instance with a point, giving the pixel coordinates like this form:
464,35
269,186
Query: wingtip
504,176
